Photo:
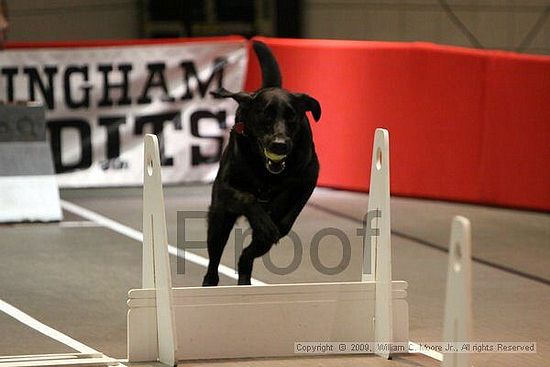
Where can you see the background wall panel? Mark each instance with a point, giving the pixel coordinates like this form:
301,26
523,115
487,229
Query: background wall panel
465,125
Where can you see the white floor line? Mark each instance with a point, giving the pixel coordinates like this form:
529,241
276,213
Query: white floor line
78,224
197,259
43,328
138,236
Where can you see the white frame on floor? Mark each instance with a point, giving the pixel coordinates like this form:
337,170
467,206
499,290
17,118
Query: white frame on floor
62,359
84,355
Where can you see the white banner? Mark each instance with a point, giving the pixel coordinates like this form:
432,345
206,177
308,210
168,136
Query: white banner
102,100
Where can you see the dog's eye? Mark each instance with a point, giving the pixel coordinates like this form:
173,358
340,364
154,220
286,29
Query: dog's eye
289,114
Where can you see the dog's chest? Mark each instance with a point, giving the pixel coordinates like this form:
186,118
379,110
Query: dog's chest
267,192
264,194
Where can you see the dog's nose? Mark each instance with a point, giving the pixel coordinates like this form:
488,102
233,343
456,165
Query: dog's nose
279,146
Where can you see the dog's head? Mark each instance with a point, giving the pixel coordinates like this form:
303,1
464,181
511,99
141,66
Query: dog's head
272,119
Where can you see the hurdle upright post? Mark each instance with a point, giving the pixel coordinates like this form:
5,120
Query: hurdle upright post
377,244
156,261
457,325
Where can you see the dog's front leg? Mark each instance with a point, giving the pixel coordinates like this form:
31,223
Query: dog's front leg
220,223
258,247
289,203
285,209
246,204
264,231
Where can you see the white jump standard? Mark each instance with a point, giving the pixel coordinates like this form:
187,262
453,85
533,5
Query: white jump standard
174,324
457,325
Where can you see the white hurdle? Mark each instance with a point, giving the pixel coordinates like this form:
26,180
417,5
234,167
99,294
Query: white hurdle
380,246
176,324
458,298
156,261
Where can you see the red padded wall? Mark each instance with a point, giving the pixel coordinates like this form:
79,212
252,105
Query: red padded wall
516,141
465,125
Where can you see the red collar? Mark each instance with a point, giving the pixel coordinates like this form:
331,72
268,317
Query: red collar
239,128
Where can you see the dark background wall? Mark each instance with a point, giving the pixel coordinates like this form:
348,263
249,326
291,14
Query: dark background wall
521,25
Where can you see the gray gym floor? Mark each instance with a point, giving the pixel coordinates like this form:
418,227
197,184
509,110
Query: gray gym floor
74,276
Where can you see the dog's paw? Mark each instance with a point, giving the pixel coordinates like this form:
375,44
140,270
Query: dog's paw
267,232
244,280
210,281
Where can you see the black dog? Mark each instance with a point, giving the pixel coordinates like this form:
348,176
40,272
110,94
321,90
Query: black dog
267,171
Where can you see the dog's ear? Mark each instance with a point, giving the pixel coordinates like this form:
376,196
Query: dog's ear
309,104
240,97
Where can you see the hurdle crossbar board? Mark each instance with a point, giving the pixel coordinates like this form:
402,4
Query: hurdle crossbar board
262,321
256,321
457,325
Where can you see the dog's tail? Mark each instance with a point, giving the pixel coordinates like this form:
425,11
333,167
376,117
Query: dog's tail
271,75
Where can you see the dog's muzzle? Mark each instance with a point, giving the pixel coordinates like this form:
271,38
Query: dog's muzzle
274,163
275,153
